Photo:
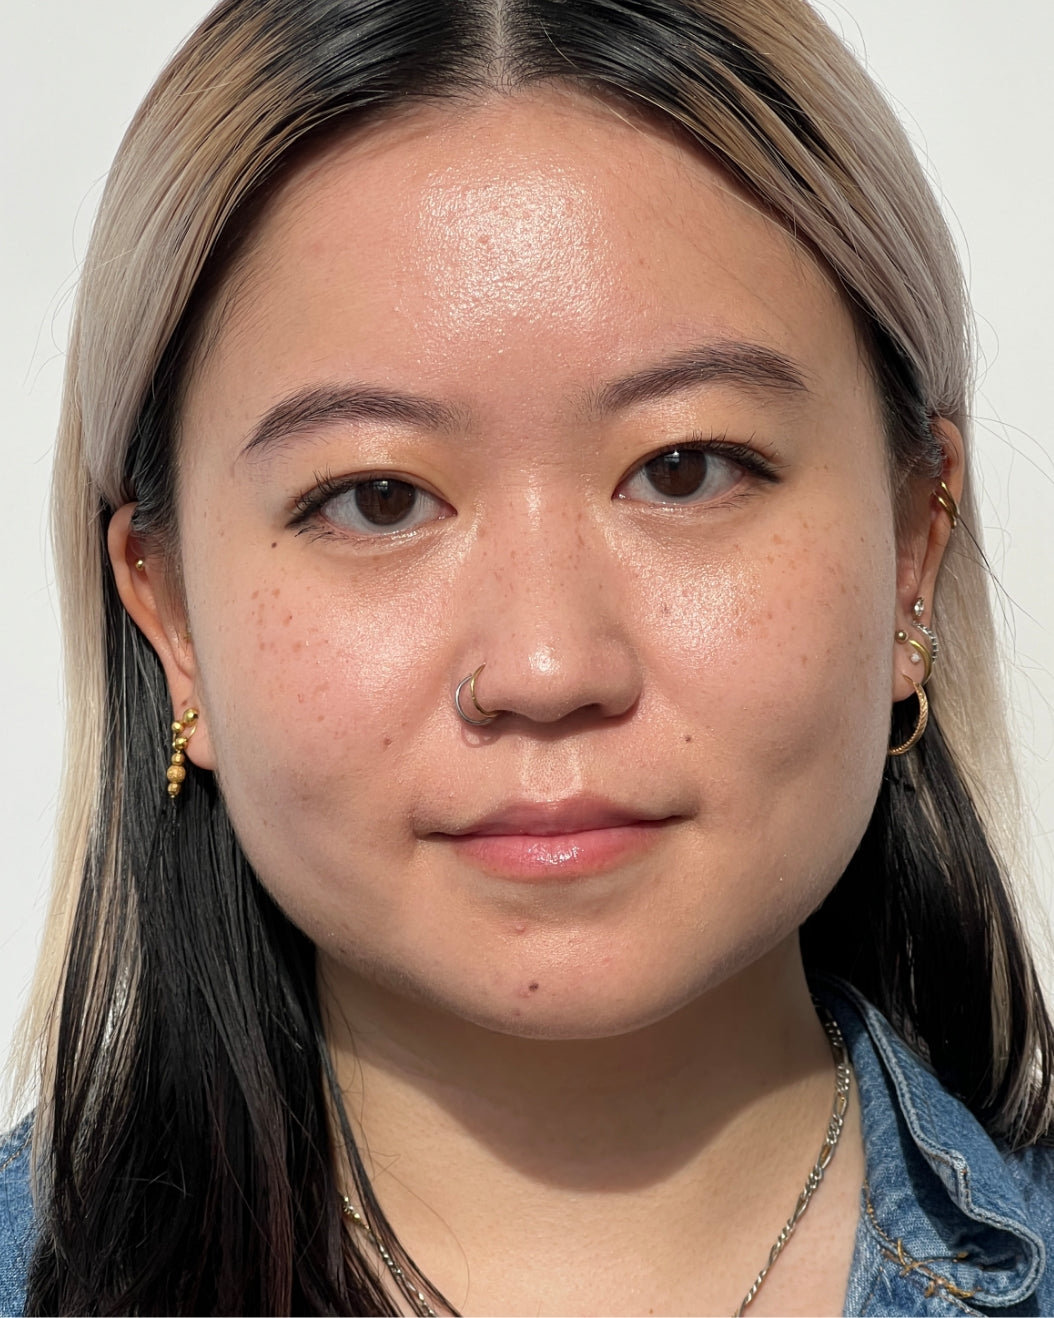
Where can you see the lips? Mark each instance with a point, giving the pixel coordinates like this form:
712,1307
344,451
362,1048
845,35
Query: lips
546,841
553,818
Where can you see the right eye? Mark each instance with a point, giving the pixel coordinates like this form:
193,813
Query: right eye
371,506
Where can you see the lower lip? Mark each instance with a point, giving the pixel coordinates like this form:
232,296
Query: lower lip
533,858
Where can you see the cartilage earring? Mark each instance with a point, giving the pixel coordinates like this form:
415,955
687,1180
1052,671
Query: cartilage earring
182,731
920,724
918,609
489,715
944,497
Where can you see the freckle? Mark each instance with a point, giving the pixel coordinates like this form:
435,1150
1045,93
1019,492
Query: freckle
276,592
532,988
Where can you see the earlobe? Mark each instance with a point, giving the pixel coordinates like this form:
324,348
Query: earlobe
154,605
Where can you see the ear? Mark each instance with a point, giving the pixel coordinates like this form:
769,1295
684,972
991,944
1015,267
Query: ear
925,534
154,602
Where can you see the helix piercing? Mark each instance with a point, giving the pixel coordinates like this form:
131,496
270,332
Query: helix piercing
489,715
944,498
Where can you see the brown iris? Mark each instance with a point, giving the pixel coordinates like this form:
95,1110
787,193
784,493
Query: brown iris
677,474
385,502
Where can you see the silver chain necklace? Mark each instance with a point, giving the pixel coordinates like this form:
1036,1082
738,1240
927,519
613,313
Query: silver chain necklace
843,1078
842,1082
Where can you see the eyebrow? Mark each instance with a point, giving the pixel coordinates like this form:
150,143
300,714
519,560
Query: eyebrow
314,409
732,361
746,365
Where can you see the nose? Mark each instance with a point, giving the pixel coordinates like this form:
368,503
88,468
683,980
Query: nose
551,619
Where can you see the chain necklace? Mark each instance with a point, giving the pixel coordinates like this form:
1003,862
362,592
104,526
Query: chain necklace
411,1292
843,1078
843,1081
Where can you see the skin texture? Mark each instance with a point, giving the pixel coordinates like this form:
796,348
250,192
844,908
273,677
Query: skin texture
724,666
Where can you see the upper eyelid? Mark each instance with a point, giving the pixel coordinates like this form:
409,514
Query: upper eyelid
761,464
327,487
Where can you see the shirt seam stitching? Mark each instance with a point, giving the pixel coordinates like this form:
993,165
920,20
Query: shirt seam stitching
14,1156
893,1250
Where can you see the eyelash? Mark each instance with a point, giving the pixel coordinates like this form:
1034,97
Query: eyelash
717,446
327,486
306,512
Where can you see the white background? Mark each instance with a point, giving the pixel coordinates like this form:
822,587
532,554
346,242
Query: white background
971,81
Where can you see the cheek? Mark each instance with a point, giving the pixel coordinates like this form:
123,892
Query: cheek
311,692
777,658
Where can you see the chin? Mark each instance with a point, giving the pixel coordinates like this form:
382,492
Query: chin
562,1003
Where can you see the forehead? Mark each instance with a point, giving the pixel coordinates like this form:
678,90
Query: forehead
543,236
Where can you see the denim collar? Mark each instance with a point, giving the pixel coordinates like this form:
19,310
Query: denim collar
947,1215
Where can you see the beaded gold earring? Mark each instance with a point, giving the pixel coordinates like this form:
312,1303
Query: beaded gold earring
182,731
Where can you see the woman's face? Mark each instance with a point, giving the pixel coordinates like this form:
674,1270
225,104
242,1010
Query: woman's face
533,386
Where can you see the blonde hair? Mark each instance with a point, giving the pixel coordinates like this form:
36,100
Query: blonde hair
764,86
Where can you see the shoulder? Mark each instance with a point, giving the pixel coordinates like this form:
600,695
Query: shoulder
951,1219
16,1216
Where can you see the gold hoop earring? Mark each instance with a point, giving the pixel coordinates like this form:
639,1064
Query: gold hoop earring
944,498
920,723
182,731
489,715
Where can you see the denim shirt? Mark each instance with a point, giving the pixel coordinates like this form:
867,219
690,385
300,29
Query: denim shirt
949,1222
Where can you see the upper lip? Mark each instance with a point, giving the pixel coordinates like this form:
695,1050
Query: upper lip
579,814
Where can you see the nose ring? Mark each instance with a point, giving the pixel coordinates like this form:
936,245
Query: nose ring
489,715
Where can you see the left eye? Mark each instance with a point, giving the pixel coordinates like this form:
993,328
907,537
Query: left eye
383,504
682,475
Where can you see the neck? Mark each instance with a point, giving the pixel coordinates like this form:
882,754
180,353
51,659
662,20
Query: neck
477,1140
